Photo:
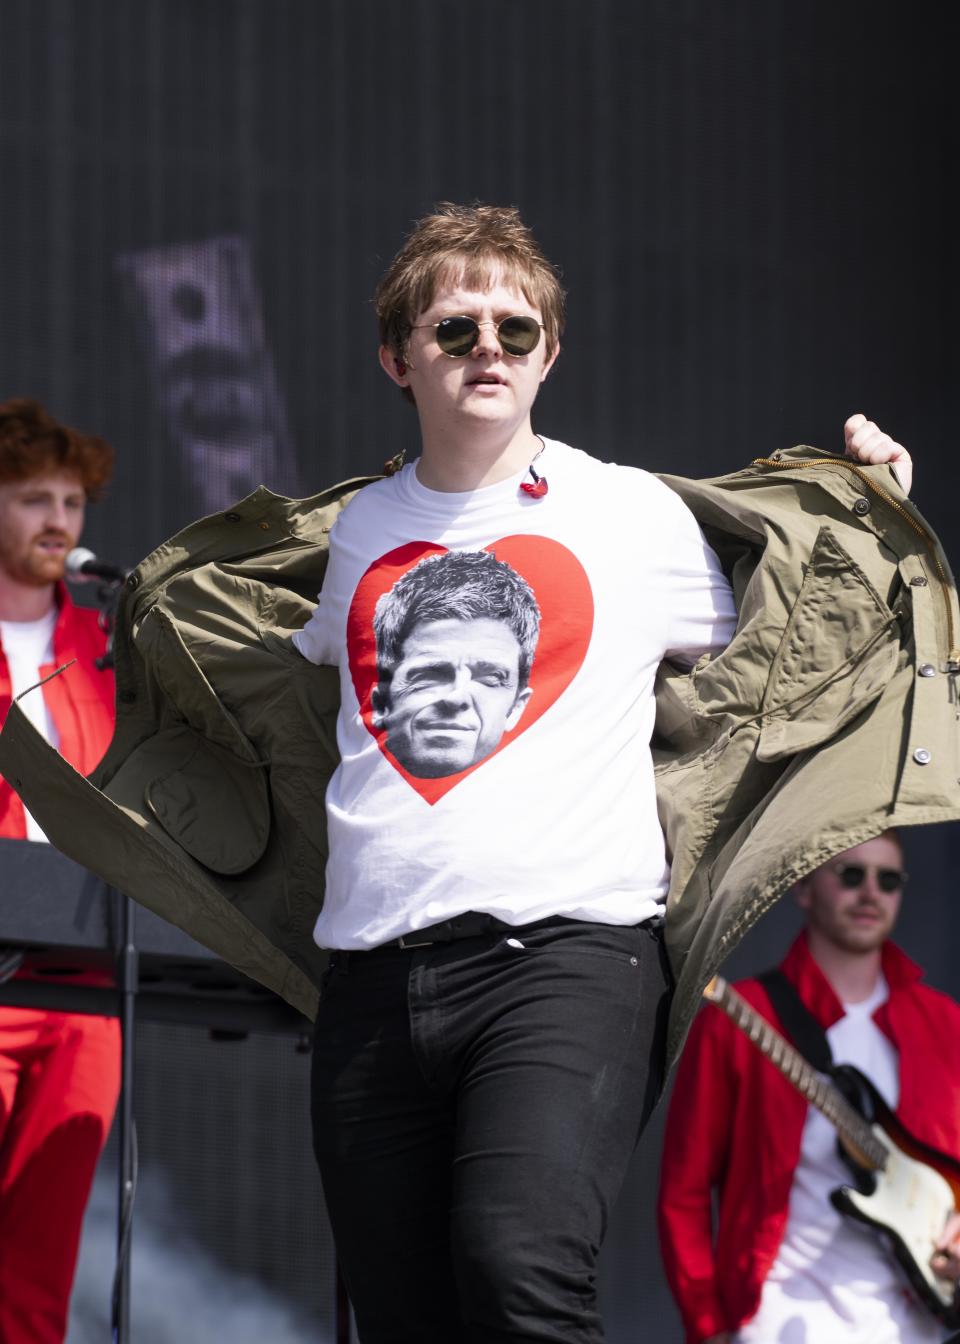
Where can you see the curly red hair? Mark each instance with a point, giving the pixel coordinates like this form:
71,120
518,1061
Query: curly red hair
32,442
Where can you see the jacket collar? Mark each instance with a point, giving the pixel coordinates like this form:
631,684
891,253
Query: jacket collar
818,994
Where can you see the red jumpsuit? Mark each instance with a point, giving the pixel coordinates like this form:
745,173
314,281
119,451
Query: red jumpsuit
735,1126
59,1072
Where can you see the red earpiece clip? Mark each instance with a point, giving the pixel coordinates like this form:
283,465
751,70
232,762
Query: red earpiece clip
538,488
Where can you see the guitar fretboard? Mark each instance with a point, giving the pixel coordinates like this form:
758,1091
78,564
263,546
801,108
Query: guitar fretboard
856,1134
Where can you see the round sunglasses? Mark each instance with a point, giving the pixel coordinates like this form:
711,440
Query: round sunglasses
456,336
854,875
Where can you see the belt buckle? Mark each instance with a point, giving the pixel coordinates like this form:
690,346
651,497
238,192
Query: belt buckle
402,942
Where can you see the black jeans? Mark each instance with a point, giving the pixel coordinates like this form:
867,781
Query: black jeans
475,1105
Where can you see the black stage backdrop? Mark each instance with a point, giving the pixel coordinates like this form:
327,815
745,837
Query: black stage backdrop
749,200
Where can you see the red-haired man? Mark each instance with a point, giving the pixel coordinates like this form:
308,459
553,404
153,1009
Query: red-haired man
59,1072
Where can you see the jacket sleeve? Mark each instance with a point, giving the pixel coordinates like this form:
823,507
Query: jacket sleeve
698,1131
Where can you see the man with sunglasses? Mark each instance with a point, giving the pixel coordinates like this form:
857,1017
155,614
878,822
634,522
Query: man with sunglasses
490,1036
490,1039
783,1264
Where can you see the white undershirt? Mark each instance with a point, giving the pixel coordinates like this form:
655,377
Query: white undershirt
557,814
28,645
833,1282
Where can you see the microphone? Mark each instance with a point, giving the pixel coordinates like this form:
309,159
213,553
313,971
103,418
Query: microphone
82,564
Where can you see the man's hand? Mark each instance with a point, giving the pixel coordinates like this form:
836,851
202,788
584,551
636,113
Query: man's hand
945,1261
866,442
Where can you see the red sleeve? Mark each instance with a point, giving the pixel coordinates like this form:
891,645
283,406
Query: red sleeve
698,1129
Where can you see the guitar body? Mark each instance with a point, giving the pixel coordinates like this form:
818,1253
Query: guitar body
908,1202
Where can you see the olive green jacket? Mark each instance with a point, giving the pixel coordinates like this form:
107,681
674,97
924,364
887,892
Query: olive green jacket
831,715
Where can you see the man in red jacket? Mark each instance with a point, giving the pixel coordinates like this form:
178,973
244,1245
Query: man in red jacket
59,1072
782,1265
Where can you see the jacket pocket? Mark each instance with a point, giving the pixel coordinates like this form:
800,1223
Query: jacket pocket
200,777
835,657
211,803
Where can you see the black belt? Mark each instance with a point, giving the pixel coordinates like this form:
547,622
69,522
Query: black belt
473,924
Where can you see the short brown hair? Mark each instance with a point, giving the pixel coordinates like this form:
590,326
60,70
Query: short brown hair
469,244
32,442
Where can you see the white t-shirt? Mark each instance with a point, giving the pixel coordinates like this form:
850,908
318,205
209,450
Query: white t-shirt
463,785
28,645
833,1282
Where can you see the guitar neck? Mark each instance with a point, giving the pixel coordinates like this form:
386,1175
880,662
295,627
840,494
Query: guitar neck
857,1136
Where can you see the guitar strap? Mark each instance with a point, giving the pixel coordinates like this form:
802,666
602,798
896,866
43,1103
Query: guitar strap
800,1025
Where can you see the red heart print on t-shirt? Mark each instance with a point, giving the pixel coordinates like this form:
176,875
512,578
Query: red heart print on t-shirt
474,647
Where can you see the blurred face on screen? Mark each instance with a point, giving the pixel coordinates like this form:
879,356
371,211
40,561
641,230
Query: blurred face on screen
41,519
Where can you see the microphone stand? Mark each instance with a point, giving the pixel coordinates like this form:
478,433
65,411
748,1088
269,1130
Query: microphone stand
128,979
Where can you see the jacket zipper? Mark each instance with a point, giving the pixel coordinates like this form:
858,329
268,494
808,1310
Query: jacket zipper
953,653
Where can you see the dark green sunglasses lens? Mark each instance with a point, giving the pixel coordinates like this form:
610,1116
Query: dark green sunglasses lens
519,335
854,875
457,335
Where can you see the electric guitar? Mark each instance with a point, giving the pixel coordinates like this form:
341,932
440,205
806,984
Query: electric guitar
901,1187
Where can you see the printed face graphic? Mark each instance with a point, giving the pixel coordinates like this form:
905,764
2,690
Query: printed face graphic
454,655
452,696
